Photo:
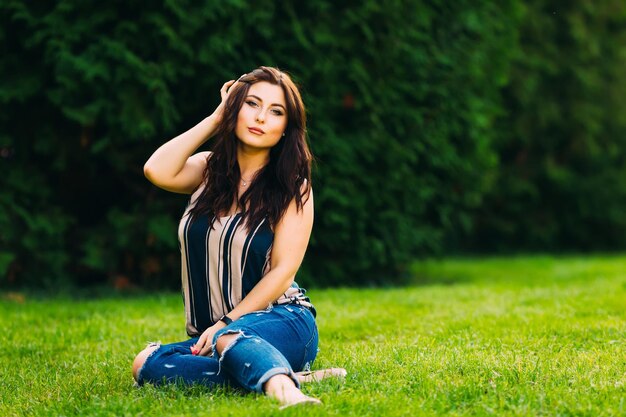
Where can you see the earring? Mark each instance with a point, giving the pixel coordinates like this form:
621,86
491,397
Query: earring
283,133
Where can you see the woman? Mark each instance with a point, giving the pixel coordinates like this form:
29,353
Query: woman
242,238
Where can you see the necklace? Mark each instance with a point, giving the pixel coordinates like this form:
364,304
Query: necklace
244,182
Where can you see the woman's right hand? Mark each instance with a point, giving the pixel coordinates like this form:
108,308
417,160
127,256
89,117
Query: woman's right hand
224,92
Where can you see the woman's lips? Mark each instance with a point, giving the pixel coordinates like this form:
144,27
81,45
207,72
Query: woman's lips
255,130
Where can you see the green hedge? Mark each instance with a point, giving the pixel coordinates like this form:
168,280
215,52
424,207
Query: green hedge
406,103
561,184
402,102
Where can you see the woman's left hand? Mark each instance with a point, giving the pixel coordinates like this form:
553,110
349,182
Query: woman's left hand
203,345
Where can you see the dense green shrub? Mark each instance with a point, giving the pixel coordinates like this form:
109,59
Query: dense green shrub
407,116
89,93
400,98
562,143
401,103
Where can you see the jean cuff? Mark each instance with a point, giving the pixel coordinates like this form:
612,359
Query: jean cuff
273,372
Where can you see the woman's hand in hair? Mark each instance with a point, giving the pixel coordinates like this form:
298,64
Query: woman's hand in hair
224,92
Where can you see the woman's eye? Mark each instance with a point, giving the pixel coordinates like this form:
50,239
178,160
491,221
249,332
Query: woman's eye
277,112
251,103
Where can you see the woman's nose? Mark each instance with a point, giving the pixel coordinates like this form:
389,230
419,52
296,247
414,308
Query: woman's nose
260,117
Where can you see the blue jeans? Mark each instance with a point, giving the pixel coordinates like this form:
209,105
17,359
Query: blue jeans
280,340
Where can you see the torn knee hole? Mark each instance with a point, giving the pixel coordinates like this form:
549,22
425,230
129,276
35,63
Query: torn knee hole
226,340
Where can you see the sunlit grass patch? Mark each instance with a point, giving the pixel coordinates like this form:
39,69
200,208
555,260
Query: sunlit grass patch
499,336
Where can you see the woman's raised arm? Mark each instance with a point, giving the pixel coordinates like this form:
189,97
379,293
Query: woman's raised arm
173,166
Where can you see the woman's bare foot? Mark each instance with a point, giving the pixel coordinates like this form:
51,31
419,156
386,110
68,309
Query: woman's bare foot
285,391
316,376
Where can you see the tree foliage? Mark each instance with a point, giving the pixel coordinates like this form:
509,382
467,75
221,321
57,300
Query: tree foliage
411,104
561,184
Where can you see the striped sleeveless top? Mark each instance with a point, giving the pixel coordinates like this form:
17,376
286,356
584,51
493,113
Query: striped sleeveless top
221,265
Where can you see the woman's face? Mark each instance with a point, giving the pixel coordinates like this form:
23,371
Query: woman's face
263,116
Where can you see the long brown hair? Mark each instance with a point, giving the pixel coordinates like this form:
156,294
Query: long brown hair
286,176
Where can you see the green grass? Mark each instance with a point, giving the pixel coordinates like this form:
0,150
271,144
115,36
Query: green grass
501,336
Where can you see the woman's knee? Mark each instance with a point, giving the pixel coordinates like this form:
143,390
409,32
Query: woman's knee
224,340
140,359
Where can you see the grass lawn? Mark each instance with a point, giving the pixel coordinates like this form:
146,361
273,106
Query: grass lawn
499,336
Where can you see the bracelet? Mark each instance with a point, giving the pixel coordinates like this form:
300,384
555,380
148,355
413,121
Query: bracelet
226,319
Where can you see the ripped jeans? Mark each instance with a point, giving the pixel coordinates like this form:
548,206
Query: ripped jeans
280,340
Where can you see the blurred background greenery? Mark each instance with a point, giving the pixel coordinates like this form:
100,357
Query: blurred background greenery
439,128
